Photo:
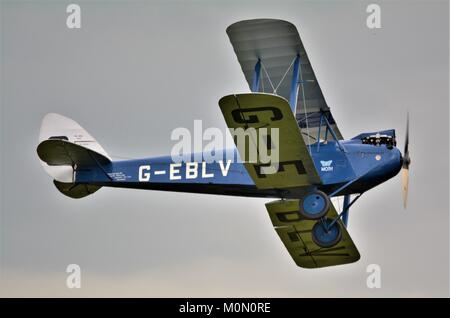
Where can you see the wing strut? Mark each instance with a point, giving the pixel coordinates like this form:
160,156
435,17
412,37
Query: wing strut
346,207
256,77
294,85
333,133
327,128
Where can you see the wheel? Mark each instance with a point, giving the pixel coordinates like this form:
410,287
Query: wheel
314,205
324,235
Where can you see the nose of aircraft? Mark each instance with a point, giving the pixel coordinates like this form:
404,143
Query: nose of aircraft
389,165
394,161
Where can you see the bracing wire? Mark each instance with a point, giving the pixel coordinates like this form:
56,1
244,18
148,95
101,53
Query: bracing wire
268,77
285,73
281,80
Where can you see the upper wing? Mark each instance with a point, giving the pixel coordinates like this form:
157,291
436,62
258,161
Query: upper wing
295,232
271,113
276,44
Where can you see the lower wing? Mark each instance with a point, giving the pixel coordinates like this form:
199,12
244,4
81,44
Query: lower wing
295,233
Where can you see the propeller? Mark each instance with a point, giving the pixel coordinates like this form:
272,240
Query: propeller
405,165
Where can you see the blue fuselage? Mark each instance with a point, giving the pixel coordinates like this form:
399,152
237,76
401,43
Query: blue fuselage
366,164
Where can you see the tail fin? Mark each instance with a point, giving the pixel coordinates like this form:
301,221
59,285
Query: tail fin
65,146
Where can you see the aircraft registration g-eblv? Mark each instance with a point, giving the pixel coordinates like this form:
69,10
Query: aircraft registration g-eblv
314,163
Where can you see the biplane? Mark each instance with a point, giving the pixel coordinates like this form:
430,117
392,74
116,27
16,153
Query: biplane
315,163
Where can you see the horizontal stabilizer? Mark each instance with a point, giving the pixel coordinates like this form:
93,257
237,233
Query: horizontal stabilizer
58,152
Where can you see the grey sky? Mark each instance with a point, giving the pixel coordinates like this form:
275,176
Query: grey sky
137,70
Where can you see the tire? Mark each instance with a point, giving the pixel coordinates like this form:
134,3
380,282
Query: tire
314,205
326,238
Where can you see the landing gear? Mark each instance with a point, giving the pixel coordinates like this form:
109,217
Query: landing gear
314,205
326,233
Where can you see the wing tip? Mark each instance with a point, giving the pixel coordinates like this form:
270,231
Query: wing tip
252,22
